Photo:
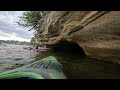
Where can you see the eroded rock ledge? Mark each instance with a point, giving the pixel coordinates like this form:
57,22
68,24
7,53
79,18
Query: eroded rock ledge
97,32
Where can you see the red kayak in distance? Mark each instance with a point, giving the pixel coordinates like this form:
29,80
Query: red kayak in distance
28,48
40,50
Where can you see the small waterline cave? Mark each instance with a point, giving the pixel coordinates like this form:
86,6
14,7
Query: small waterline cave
68,47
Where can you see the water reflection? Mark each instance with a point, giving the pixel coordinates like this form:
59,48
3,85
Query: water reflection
78,67
74,65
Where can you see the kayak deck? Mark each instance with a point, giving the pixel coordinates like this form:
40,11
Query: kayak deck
46,68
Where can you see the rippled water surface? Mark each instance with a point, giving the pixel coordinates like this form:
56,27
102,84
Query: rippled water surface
12,56
74,65
78,67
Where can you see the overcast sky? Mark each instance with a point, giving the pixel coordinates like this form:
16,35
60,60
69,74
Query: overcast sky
9,30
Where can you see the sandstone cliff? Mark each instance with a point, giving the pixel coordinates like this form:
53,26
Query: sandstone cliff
97,32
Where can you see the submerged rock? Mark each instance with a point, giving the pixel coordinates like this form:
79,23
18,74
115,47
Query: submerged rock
96,32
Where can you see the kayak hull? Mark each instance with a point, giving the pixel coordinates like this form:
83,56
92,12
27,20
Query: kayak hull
47,68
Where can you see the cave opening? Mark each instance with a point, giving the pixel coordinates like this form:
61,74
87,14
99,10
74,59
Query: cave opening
68,47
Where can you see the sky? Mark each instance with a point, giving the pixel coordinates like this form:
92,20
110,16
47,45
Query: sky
9,30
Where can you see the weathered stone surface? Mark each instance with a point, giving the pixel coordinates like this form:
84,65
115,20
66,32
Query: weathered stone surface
101,38
98,33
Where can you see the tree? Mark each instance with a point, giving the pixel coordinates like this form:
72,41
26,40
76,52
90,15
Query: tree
33,40
31,18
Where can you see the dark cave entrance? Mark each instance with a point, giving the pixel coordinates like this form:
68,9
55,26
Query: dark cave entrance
68,47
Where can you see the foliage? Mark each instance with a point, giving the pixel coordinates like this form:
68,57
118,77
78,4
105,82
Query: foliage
33,40
31,18
14,42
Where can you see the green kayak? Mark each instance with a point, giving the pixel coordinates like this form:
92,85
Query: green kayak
46,68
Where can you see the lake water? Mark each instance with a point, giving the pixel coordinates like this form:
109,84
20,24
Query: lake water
13,56
74,65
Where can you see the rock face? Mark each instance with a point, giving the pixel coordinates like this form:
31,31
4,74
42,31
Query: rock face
97,32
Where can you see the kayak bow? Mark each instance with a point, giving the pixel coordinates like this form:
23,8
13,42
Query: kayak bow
46,68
